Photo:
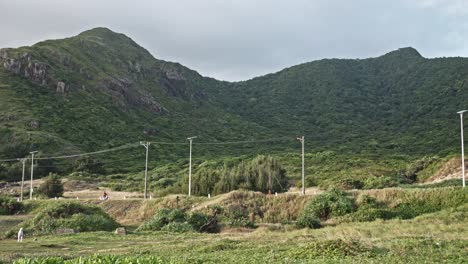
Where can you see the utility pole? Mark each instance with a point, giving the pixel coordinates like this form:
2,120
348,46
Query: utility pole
22,177
190,167
32,174
146,145
301,139
462,147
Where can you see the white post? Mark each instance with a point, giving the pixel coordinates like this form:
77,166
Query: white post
301,139
32,174
146,145
303,169
462,147
22,178
190,167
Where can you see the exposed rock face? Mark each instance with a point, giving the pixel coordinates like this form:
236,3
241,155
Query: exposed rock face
171,72
135,66
25,67
124,97
60,87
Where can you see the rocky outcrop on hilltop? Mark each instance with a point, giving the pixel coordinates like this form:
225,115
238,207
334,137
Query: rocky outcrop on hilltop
25,66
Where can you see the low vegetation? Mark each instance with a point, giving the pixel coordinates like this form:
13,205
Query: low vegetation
8,205
52,186
72,215
176,220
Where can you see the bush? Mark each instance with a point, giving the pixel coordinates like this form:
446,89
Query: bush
350,184
238,216
308,220
52,186
203,223
367,214
9,205
159,220
380,182
73,215
331,203
263,173
177,220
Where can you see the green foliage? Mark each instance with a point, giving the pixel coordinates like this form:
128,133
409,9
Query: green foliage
203,222
237,215
413,204
412,171
368,214
380,182
163,217
102,259
82,218
9,205
308,220
52,186
373,122
329,204
88,165
349,184
176,220
263,173
328,248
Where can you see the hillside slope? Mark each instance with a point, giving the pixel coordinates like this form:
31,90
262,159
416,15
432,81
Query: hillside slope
397,103
100,90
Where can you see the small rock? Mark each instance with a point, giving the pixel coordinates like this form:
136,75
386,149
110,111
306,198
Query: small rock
34,124
121,231
60,87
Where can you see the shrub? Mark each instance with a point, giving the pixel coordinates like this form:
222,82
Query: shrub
176,215
69,215
367,214
380,182
349,184
159,220
177,220
308,220
238,216
263,173
203,222
52,186
9,205
331,203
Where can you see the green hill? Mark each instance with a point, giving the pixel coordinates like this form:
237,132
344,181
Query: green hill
100,90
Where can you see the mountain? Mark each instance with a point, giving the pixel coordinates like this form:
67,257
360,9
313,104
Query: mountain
399,102
100,90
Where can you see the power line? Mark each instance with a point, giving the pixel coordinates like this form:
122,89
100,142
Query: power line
131,145
243,142
8,160
89,153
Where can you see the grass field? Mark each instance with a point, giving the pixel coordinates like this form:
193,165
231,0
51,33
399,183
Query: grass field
438,237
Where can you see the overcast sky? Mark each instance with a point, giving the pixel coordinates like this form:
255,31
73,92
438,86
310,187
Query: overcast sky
241,39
